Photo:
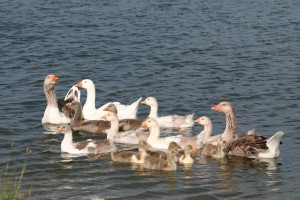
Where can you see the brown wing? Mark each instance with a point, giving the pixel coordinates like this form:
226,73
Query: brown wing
82,144
247,145
129,124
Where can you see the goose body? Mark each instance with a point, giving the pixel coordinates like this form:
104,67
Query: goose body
186,158
52,113
124,124
83,147
131,156
87,126
171,121
91,113
161,164
154,139
215,151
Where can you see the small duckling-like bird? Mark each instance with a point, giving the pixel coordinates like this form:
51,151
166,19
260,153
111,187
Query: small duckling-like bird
163,154
161,164
186,158
131,156
215,151
83,147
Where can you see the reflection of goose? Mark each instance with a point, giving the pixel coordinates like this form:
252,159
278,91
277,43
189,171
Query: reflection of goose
131,156
52,113
89,109
83,147
124,124
87,126
171,121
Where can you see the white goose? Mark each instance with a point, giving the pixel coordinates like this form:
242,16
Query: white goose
83,147
52,112
154,139
171,121
89,109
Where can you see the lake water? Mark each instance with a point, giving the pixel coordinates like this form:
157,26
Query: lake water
190,55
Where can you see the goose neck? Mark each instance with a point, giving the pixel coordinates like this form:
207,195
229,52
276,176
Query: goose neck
153,111
50,95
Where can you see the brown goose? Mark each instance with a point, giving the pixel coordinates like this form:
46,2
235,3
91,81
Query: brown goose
124,124
87,126
53,114
83,147
131,156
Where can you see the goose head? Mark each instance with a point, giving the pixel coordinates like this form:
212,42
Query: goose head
111,108
203,120
150,101
110,116
64,128
50,80
86,83
224,107
75,105
149,123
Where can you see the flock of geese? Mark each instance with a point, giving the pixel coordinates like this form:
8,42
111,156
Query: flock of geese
119,122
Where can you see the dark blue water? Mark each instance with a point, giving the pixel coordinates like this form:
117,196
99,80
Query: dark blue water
190,55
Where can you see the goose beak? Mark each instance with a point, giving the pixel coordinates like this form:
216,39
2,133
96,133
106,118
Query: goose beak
144,124
104,117
195,149
79,84
217,107
197,120
144,102
59,130
54,79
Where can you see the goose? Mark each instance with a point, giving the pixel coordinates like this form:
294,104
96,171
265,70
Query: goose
255,146
87,126
131,156
171,121
83,147
163,154
186,158
89,109
204,137
128,137
52,113
229,111
124,124
247,145
154,139
215,151
162,164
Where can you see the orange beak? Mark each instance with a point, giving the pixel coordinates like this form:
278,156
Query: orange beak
54,78
195,149
103,117
144,124
79,84
217,107
144,102
59,130
197,120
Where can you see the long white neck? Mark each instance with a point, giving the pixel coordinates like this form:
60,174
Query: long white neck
90,99
114,129
67,142
153,111
207,131
154,132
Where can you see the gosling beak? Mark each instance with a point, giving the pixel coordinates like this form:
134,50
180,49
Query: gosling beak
144,124
103,117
